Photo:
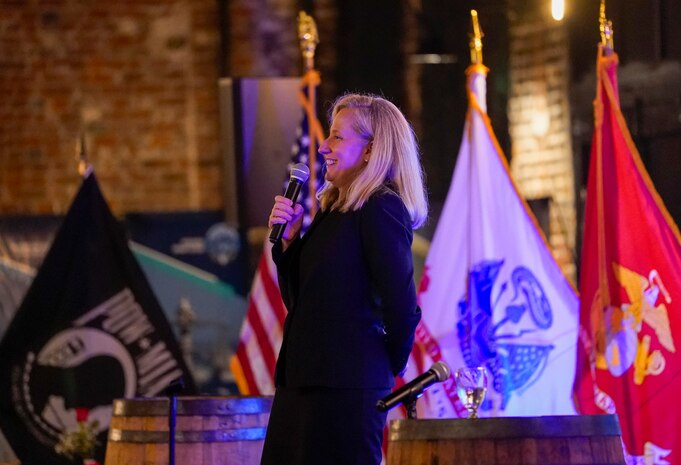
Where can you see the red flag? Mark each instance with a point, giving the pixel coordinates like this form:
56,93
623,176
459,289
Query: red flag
630,286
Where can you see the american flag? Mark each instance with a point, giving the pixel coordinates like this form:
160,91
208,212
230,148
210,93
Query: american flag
261,333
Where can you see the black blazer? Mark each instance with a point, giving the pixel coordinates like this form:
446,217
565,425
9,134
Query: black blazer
349,289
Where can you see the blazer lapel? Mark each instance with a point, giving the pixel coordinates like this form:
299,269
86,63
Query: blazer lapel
317,218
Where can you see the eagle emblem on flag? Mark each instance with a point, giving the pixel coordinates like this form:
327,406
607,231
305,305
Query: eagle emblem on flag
620,341
499,344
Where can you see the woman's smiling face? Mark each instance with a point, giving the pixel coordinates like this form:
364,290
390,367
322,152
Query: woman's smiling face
344,150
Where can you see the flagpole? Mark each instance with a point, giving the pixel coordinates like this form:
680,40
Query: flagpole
307,34
606,49
475,45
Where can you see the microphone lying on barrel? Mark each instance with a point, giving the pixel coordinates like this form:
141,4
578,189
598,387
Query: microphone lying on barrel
413,389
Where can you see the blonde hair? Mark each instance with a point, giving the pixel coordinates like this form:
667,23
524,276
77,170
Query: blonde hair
394,159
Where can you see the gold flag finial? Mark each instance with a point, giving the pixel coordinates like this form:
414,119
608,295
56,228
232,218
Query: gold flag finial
476,40
307,34
84,166
605,27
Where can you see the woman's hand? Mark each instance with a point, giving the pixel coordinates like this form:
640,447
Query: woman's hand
284,211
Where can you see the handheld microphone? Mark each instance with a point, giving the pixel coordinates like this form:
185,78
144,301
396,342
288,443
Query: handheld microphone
299,174
413,389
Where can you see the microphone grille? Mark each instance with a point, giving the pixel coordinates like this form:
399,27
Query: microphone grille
441,370
300,172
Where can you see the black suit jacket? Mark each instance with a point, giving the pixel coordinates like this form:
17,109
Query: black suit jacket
349,289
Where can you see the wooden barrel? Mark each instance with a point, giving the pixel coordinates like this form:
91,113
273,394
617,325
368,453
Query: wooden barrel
550,440
209,431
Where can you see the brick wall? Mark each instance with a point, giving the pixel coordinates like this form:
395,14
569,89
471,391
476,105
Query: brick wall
263,38
140,78
539,120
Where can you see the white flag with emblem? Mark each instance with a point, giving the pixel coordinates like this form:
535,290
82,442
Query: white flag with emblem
491,294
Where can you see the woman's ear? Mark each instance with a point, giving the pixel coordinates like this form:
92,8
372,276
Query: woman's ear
367,152
367,149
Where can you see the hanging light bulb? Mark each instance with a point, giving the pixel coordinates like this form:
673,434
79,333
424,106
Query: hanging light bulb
558,9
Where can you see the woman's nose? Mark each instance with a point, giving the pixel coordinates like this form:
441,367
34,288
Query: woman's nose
324,147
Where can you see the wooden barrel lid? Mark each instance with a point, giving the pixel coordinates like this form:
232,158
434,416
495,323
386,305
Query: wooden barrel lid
506,428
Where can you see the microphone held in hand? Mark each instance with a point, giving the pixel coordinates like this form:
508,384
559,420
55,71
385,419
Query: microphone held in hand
413,389
299,174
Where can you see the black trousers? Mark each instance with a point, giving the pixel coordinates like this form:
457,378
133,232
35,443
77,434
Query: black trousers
324,426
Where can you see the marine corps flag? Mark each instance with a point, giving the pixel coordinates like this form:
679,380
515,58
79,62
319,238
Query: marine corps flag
630,290
88,331
491,293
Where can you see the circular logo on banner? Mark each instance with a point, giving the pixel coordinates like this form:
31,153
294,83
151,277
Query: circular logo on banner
222,243
78,368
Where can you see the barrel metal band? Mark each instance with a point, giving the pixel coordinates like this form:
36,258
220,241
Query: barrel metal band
192,406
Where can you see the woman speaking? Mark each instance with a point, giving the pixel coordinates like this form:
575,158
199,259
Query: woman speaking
349,289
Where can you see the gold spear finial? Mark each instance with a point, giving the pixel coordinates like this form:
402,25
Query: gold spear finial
84,166
307,34
605,27
476,40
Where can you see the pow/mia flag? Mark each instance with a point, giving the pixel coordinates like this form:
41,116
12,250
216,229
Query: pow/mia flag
88,331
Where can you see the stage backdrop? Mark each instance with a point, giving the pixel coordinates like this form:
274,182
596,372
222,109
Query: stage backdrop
258,129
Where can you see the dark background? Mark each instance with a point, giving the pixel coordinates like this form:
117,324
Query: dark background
370,58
